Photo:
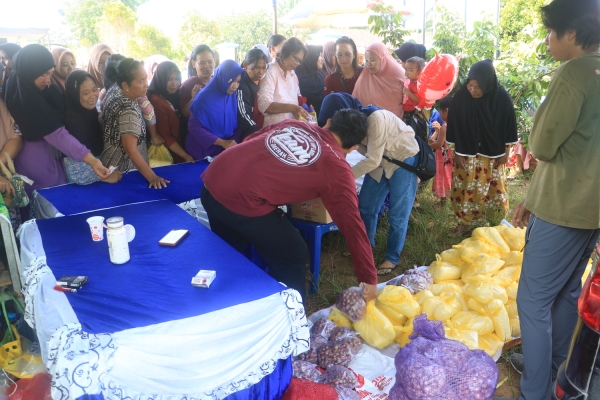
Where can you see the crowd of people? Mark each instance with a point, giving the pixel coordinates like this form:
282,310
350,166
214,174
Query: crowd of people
280,124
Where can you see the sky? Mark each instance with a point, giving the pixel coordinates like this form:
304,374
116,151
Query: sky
167,14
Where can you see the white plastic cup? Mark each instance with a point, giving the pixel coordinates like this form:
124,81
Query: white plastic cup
96,228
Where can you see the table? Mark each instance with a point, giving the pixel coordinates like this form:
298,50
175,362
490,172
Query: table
141,329
71,199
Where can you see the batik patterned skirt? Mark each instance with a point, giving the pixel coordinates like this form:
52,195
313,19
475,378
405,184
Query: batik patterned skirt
479,191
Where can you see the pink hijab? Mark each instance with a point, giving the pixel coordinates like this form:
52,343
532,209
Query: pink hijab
329,57
58,53
94,65
384,89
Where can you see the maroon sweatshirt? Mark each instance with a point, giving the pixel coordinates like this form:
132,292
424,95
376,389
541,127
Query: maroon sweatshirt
287,163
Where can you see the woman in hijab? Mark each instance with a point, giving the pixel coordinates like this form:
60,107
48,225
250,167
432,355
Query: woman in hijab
329,57
388,138
409,50
213,125
30,93
163,93
65,64
311,78
482,126
97,64
7,52
382,84
81,120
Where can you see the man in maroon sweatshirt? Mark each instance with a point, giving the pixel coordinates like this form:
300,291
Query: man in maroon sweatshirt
287,163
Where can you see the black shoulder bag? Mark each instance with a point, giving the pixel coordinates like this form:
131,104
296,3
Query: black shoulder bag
425,168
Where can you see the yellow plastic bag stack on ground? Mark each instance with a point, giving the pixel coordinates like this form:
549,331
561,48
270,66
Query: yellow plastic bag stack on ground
403,332
446,286
444,307
422,296
484,289
497,312
473,321
515,326
375,328
512,258
443,271
473,248
399,299
466,337
395,318
490,343
514,237
452,256
492,237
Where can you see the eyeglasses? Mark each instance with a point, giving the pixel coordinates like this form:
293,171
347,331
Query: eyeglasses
298,61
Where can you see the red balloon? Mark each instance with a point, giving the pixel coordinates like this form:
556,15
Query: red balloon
437,79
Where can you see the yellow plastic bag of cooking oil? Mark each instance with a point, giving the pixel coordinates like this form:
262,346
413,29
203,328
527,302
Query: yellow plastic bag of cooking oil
444,307
472,249
511,308
446,286
375,328
464,242
514,237
452,256
442,271
507,276
484,264
512,258
511,290
466,337
339,318
497,312
515,326
490,343
491,236
473,321
394,316
422,295
474,305
484,289
403,332
399,299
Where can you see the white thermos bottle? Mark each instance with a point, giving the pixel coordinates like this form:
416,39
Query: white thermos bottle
118,237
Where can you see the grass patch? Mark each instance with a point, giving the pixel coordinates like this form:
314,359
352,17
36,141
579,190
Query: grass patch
430,232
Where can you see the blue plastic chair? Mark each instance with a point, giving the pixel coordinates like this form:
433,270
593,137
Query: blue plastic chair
313,232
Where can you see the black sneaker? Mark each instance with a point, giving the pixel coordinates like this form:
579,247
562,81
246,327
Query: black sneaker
516,360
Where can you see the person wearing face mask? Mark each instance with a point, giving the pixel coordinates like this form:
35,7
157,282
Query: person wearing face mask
382,84
213,125
347,70
278,91
255,65
481,126
30,93
65,64
311,77
81,120
123,123
163,93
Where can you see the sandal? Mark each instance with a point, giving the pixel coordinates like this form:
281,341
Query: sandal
346,253
386,270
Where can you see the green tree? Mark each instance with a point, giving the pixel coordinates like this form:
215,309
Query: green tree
149,40
450,32
83,17
387,24
197,30
246,30
116,26
515,15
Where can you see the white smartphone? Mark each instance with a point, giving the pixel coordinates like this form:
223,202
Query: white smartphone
173,238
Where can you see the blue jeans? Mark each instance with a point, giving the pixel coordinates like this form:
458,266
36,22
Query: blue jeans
402,187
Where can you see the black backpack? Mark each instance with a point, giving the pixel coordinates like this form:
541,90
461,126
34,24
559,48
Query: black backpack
425,168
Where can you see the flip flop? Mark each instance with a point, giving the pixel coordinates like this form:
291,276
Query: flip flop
346,253
385,271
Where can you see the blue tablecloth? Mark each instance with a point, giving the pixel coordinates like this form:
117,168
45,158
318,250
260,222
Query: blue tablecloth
133,188
155,285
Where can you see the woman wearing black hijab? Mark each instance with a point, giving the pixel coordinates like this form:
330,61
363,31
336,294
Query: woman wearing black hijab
81,120
409,50
38,108
482,126
163,93
311,77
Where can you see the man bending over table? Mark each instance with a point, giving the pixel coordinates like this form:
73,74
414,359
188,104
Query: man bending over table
287,163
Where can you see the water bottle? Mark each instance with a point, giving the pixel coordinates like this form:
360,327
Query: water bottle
118,236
